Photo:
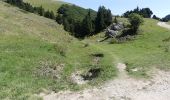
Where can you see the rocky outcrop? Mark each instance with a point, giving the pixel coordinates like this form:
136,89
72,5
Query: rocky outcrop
113,30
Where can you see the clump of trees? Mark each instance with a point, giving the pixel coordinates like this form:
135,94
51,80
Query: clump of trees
78,21
166,18
74,19
82,22
155,17
88,25
135,20
28,7
103,19
144,12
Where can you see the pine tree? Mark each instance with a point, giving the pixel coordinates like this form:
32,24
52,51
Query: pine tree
66,24
87,25
103,19
52,16
59,19
115,20
100,21
41,11
108,20
47,14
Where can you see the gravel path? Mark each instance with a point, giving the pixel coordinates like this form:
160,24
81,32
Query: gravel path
122,88
163,24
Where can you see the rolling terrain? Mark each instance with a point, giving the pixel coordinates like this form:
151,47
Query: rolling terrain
38,56
47,4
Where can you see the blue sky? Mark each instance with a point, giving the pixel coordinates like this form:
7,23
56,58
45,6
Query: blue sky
159,7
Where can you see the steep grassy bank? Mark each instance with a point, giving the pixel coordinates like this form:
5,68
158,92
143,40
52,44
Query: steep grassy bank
36,54
51,5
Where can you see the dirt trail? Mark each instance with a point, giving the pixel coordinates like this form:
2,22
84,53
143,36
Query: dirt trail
163,24
122,88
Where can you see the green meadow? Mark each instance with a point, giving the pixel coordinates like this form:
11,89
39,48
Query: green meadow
33,47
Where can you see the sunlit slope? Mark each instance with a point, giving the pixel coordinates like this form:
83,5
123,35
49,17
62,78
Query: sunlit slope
149,50
47,4
36,54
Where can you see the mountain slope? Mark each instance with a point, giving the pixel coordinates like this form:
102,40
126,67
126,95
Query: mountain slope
47,4
26,40
36,54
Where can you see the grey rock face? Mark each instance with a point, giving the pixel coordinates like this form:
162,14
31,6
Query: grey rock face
117,27
111,33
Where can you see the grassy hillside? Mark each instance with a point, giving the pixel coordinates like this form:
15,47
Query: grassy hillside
25,41
47,4
149,49
37,54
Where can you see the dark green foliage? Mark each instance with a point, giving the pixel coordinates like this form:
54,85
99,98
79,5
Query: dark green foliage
155,17
115,20
145,12
82,22
66,25
77,20
166,18
59,19
100,24
129,33
28,7
103,19
40,10
75,12
109,16
135,20
88,25
49,14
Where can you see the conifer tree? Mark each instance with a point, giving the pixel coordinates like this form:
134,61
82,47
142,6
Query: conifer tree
100,21
87,24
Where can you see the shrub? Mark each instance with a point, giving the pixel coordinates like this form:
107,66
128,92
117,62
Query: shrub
135,20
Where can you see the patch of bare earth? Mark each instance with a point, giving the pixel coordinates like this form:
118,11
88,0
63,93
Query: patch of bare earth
163,24
121,88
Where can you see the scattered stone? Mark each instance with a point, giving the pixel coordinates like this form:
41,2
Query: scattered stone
121,67
92,73
122,89
111,33
49,69
78,79
135,70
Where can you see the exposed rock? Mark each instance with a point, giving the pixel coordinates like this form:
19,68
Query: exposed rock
117,27
111,33
112,30
135,70
77,78
92,73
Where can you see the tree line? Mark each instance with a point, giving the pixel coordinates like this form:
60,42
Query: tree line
28,7
78,21
144,12
166,18
83,22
